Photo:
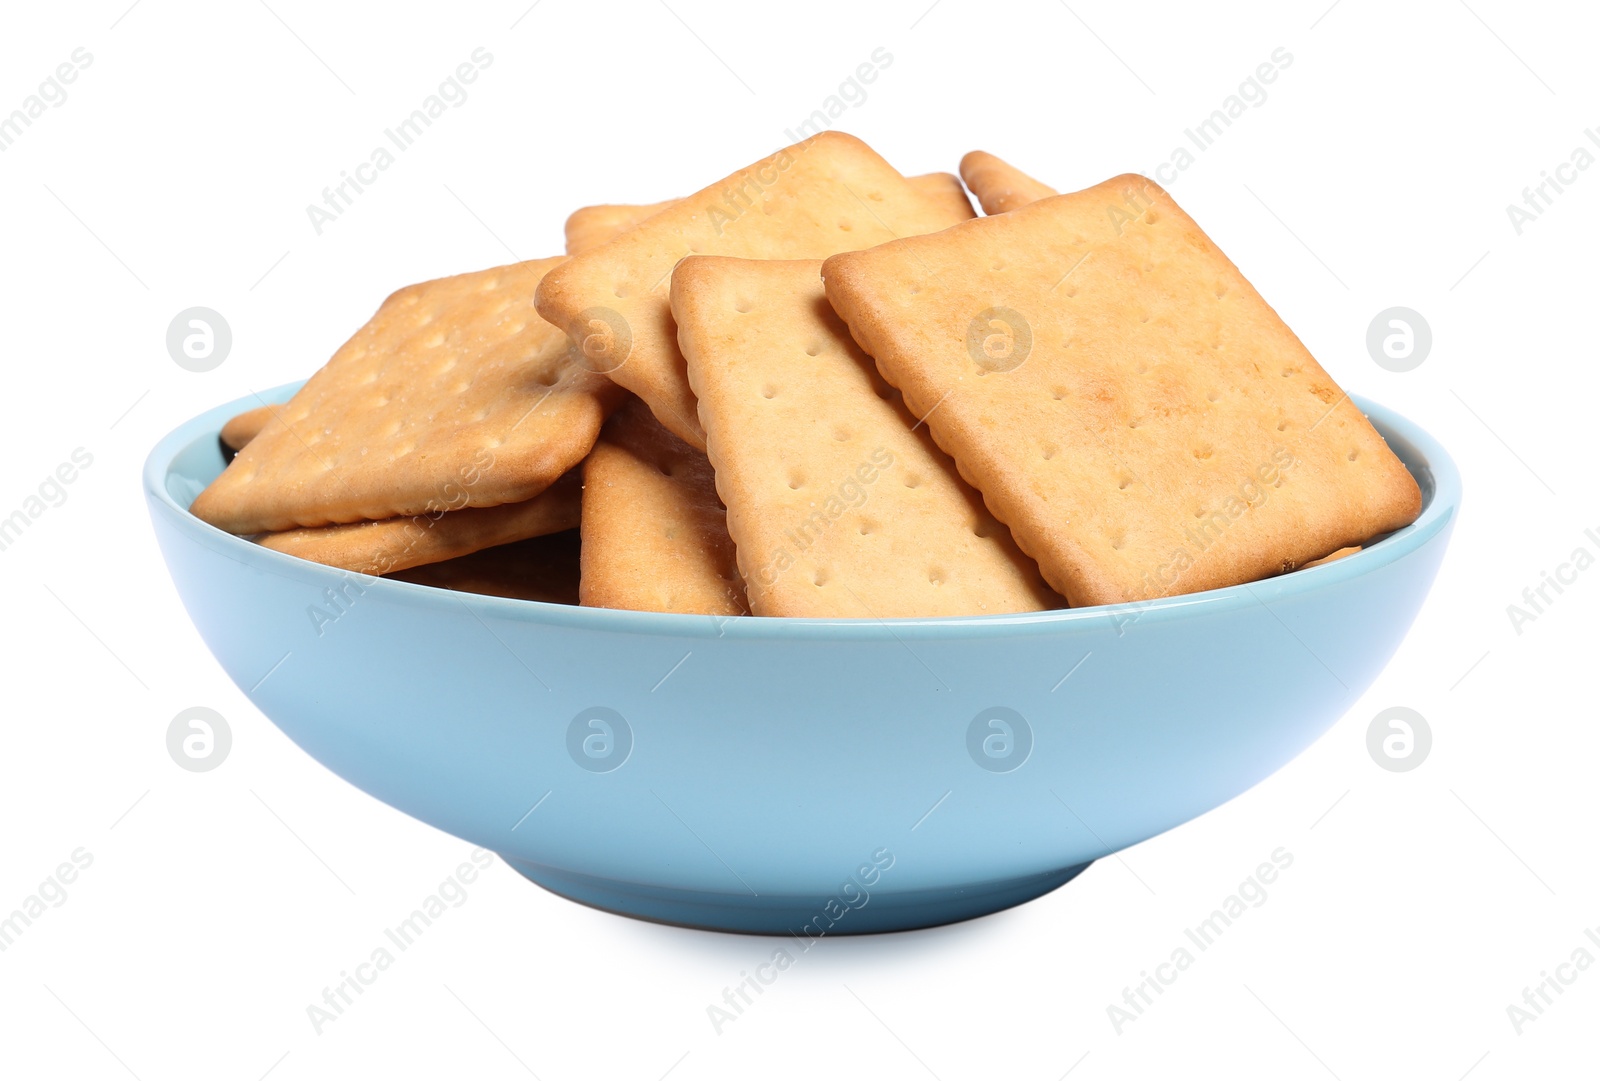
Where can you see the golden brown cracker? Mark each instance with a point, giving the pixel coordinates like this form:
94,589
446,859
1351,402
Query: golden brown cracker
1126,401
655,537
591,226
396,544
828,194
1332,557
455,394
246,426
999,185
948,189
840,505
538,569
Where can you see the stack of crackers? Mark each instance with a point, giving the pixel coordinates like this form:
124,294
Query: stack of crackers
820,388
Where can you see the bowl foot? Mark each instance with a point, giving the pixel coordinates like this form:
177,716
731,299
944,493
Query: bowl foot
802,917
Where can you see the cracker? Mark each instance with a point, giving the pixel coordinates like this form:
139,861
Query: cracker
948,190
539,569
828,194
655,537
591,226
1125,400
999,185
1332,556
396,544
245,427
455,394
839,505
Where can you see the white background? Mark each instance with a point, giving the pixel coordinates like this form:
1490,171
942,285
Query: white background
219,905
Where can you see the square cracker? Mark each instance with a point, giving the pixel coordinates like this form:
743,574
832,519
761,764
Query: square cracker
947,189
839,504
829,194
591,226
396,544
1126,401
246,426
999,185
455,394
655,538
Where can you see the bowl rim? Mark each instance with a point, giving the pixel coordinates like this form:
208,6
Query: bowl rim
1435,469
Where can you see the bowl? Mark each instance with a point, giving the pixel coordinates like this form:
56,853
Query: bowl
794,776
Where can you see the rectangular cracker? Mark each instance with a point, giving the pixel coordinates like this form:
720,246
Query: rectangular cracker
655,537
246,426
539,569
828,194
1125,400
396,544
591,226
999,185
455,394
945,188
837,506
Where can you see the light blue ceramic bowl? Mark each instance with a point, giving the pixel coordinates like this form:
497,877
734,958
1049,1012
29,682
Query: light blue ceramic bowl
795,775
